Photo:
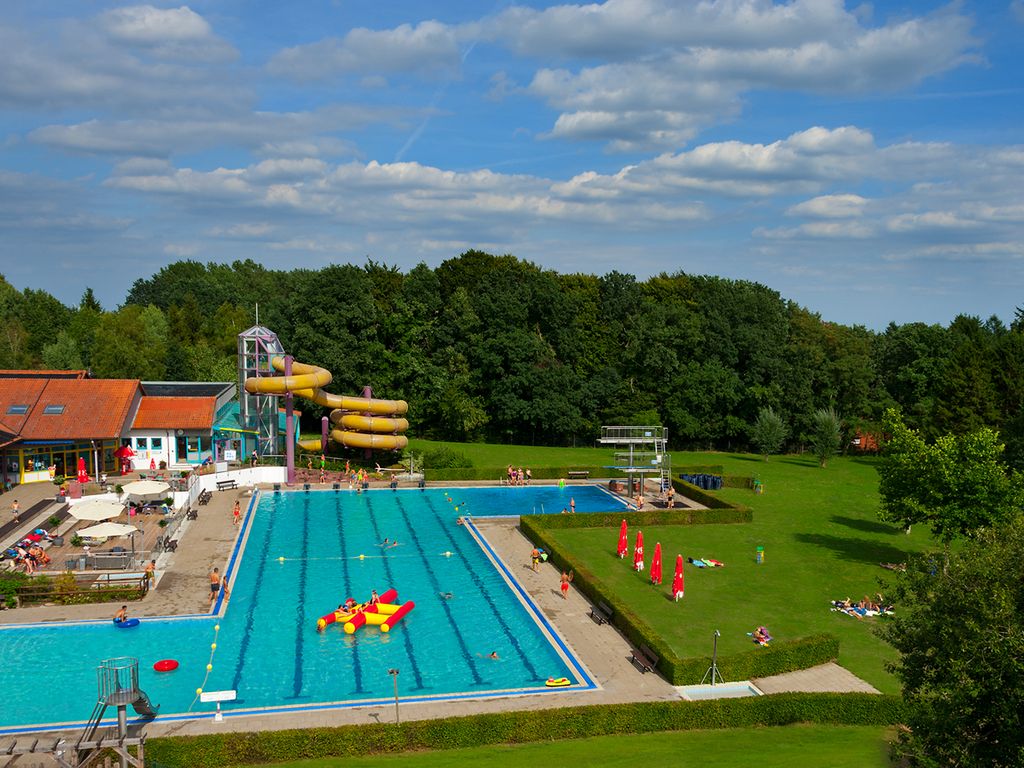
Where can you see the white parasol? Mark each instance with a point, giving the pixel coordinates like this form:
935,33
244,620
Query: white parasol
142,489
96,509
107,530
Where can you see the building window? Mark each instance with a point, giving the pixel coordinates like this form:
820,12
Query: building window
141,443
53,410
156,443
17,410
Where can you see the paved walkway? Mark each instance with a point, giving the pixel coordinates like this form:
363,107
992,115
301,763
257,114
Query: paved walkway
828,678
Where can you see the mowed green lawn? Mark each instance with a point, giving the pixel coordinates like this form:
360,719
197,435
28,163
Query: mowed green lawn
790,747
822,541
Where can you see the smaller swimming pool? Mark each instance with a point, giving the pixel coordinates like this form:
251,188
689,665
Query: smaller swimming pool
737,690
525,500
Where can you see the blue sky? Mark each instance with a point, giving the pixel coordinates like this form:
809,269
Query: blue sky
864,160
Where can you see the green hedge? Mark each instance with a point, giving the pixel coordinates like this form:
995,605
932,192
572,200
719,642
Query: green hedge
677,516
538,473
737,481
224,750
708,499
700,469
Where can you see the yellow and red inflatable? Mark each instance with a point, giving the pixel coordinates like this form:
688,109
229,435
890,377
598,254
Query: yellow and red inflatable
384,614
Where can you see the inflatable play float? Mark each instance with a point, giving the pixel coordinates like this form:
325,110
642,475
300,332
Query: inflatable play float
126,624
384,614
166,665
558,682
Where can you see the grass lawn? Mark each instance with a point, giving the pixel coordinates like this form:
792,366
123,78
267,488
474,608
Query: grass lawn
822,541
790,747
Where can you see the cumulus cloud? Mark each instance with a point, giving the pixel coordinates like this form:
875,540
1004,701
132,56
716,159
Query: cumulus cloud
166,32
262,131
426,48
830,207
682,67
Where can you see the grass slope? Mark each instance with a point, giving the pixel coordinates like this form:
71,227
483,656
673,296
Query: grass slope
790,747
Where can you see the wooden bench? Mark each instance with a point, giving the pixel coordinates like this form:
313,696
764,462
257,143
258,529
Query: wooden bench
601,613
645,659
227,485
205,496
578,474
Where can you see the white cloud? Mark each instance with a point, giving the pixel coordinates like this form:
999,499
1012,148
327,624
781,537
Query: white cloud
166,32
241,231
263,131
181,250
831,207
426,48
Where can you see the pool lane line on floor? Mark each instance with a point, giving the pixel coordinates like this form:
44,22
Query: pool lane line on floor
339,509
457,545
406,635
534,610
445,605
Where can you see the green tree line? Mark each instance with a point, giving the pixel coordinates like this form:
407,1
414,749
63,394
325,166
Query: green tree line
496,348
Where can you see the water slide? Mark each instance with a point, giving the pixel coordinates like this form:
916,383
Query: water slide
359,422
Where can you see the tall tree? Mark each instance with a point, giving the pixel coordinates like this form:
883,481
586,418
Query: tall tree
958,485
768,432
825,435
960,634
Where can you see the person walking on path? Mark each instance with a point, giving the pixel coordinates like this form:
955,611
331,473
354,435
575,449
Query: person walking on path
15,507
236,513
564,580
535,559
572,506
150,571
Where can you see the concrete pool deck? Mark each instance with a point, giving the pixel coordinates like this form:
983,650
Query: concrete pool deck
181,589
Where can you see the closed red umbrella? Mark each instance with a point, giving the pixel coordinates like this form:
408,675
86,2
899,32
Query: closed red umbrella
638,553
656,565
623,549
678,583
83,475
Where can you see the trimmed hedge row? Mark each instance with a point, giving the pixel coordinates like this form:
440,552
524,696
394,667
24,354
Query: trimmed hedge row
691,491
677,516
225,750
781,656
538,473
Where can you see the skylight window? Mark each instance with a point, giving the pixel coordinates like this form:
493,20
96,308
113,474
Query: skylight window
53,410
17,410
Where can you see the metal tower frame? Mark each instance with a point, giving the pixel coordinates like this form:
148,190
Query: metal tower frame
256,347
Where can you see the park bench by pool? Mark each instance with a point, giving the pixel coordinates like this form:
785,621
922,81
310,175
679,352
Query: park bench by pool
645,659
227,485
578,474
601,613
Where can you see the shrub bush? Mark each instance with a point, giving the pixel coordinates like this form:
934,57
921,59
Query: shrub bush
444,457
230,749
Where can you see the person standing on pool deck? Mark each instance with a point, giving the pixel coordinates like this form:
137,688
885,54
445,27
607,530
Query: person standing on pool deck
214,585
236,512
14,510
565,578
150,571
572,506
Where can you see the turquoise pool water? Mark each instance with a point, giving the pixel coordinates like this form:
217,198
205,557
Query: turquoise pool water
268,649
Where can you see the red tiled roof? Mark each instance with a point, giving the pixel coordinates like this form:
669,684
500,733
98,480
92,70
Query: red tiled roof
176,413
93,409
19,392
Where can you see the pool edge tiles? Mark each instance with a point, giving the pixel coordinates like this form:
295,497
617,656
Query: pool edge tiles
547,628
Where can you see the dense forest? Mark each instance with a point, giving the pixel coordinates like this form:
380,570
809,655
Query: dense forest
496,348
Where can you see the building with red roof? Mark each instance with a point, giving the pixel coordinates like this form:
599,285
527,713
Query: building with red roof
50,420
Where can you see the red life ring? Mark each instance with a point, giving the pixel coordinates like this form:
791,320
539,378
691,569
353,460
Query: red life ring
165,665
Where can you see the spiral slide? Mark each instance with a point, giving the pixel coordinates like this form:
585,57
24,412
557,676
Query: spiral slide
352,426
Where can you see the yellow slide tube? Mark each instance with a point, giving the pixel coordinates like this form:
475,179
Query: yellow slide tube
307,381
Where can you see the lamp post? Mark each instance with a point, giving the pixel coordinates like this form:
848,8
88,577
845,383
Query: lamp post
394,676
713,669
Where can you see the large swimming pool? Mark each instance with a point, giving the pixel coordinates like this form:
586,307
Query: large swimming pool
304,553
